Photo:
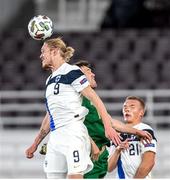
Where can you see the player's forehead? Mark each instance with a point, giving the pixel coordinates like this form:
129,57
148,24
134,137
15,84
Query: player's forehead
86,68
44,47
131,102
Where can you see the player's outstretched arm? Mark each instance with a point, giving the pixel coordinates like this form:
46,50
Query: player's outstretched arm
119,126
44,130
111,134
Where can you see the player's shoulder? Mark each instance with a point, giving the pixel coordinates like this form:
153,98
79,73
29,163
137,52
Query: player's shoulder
71,67
143,126
65,69
146,127
71,71
48,79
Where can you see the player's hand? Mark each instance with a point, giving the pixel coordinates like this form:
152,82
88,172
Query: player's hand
146,137
123,145
112,135
95,152
30,151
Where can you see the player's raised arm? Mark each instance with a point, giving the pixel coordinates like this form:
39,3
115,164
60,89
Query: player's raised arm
111,134
121,127
115,154
44,130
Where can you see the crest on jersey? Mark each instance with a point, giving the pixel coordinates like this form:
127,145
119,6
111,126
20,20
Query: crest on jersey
57,78
133,137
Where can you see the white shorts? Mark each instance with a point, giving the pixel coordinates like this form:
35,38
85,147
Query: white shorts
68,150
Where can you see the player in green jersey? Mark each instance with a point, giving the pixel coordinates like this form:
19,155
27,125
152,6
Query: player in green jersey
96,132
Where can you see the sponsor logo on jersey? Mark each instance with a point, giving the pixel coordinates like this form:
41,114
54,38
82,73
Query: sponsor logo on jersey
76,166
130,137
83,81
149,145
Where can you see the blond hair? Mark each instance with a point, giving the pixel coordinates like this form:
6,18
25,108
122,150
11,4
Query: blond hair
65,51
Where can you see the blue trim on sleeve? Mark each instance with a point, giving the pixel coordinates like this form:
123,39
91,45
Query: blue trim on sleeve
52,125
121,173
66,78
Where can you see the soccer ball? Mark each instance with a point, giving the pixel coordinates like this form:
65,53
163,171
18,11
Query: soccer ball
40,27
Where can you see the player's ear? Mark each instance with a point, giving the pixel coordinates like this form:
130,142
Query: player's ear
55,51
82,69
142,113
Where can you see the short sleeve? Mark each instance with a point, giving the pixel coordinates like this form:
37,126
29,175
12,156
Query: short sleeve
149,146
80,83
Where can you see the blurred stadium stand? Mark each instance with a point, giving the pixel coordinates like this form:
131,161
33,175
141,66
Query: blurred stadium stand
127,61
73,14
134,59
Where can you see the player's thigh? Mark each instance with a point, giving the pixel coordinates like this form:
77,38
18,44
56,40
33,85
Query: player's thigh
100,167
55,161
78,158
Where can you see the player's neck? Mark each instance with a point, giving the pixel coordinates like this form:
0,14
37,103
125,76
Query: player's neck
57,64
131,124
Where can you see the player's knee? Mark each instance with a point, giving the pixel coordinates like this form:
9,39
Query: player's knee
75,176
56,175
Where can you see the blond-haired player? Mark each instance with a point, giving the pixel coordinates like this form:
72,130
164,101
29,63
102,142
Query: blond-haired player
68,150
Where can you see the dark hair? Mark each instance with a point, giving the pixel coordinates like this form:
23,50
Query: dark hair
137,99
83,63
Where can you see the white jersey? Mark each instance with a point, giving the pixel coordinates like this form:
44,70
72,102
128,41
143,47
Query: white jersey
63,98
130,159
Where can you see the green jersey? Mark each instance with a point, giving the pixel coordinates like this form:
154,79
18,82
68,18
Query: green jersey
96,131
95,125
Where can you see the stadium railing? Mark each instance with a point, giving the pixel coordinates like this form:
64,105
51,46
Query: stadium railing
28,108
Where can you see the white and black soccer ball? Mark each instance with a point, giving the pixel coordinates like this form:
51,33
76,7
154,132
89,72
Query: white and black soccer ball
40,27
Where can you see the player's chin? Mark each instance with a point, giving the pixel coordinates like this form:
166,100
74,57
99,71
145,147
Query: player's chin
94,85
128,119
45,66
